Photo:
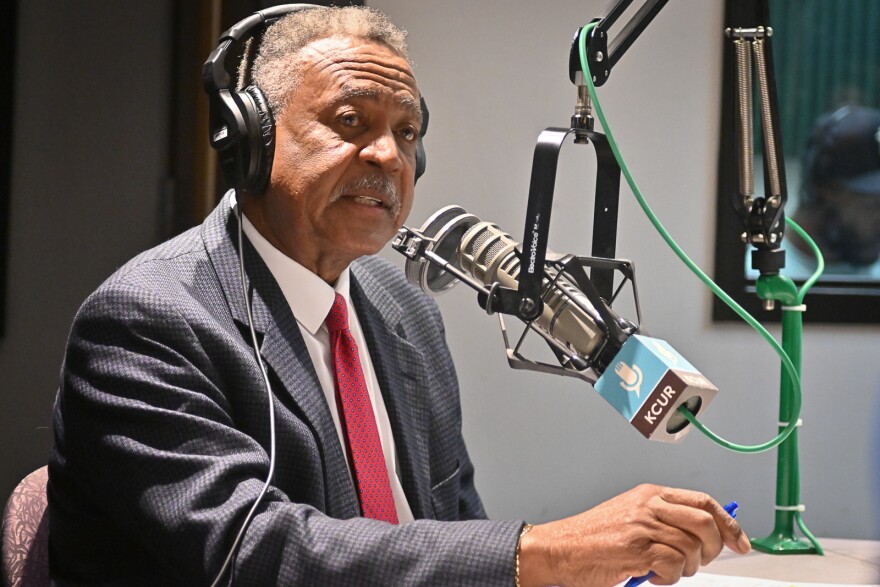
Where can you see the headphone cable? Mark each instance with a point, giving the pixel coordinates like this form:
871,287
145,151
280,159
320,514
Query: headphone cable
250,316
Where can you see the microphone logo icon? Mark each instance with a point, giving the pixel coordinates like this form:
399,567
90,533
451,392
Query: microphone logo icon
663,350
630,377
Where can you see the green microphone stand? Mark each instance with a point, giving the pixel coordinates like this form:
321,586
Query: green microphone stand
781,289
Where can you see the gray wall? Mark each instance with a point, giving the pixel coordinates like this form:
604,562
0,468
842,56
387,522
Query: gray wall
89,158
495,73
89,155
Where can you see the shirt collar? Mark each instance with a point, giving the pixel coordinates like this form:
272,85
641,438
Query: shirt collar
309,297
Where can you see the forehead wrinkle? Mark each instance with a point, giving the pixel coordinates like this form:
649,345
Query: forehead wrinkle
382,71
358,59
346,65
408,103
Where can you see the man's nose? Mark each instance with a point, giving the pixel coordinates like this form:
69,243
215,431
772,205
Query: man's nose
383,152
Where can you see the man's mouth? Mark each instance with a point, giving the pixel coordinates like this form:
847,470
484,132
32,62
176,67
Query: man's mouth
369,201
375,191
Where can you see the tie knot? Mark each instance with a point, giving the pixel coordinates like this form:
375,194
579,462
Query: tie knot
337,319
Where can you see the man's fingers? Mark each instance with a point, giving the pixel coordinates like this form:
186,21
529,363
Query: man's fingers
667,563
731,533
689,546
699,524
736,538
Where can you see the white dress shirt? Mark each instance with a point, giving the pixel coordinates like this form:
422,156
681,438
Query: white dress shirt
310,299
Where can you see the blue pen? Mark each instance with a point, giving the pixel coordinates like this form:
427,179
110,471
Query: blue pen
729,508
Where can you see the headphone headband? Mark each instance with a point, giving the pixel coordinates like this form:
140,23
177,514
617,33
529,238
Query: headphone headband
215,76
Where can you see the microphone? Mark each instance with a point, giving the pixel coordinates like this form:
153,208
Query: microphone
649,380
490,256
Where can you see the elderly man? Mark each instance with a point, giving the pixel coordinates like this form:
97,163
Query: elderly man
163,431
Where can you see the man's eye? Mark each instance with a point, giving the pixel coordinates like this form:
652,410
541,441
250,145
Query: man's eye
409,134
350,119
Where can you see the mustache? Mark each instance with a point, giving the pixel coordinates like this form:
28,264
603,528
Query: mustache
374,182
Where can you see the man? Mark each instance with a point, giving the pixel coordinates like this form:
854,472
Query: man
163,437
839,201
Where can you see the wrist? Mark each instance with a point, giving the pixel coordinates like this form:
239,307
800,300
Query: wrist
533,558
525,530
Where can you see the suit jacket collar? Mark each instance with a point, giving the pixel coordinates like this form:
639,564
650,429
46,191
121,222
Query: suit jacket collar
399,365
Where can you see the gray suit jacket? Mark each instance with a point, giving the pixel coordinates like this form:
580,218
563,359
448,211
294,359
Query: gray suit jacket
162,436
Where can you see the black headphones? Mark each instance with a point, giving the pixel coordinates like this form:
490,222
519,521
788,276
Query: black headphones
240,125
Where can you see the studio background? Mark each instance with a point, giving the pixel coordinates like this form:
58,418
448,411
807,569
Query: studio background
90,166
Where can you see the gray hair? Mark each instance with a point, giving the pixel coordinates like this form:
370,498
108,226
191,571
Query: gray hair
275,69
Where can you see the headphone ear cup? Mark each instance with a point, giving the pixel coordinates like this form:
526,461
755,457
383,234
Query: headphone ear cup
243,133
421,160
261,131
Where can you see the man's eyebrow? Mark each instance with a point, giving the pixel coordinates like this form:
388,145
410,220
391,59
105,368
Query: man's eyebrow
409,103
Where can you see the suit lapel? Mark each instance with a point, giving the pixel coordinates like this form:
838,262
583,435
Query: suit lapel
402,378
282,348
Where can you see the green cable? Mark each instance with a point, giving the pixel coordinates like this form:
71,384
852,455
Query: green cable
820,260
806,531
740,311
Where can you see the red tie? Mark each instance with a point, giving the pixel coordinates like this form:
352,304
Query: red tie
356,417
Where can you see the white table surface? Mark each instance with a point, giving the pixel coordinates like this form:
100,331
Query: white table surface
855,562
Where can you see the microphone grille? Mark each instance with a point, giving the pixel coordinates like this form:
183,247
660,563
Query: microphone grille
481,247
473,245
488,254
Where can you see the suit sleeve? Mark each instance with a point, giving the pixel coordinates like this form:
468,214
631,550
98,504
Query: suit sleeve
145,428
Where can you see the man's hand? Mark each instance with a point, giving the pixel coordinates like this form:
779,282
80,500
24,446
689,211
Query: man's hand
669,531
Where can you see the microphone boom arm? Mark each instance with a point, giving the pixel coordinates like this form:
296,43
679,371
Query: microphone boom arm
602,56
